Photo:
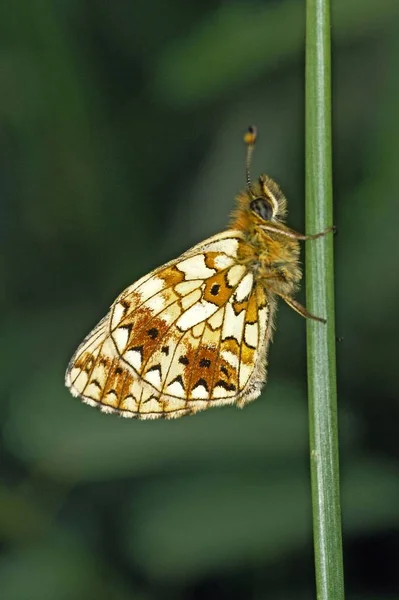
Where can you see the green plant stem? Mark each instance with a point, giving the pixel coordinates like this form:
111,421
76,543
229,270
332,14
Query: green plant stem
320,301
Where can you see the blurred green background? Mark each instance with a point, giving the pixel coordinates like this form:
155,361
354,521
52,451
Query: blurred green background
121,146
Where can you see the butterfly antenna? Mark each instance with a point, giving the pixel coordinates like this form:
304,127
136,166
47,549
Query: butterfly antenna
249,139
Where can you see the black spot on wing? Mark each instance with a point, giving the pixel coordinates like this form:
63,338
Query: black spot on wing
229,387
178,379
155,368
201,382
136,349
127,327
153,333
205,362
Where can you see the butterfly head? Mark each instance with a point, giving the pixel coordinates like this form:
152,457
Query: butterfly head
265,201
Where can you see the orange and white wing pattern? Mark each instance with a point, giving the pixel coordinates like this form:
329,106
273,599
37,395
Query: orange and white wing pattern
190,335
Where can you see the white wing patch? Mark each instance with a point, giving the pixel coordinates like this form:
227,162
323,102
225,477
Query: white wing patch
233,324
195,268
197,313
150,287
244,288
235,274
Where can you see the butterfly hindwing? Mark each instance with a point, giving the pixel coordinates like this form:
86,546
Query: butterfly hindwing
189,335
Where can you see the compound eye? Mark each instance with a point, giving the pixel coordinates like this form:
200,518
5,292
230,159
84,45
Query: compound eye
262,208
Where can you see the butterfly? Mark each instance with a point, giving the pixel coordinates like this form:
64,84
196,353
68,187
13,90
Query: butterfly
194,333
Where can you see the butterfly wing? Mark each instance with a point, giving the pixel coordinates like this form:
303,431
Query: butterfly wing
190,335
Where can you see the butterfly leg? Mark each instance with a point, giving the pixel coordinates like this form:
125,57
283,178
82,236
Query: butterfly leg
298,236
301,309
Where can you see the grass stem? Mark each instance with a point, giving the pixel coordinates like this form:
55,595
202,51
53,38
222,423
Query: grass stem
322,392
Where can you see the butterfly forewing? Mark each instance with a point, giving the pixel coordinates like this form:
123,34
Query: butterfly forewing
190,335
